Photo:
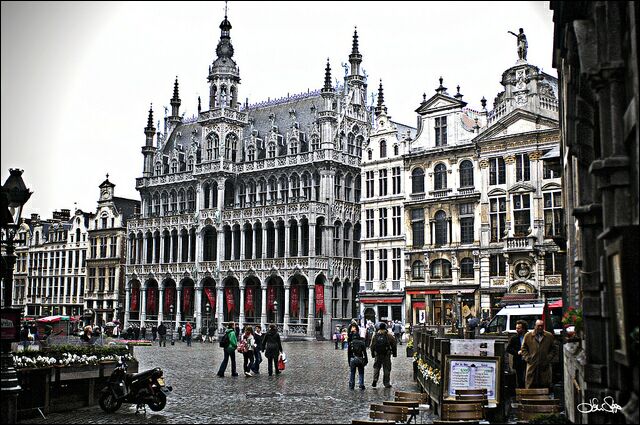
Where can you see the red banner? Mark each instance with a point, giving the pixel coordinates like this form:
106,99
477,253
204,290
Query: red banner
271,297
230,301
169,298
151,300
295,300
320,299
211,297
186,299
248,303
135,295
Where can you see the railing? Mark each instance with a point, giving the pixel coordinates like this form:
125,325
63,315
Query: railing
467,191
496,114
549,103
440,193
417,196
517,243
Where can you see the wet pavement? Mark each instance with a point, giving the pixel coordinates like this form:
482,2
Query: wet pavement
312,389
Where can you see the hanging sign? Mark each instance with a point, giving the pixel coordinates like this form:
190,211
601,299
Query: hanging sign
230,301
271,297
135,295
248,304
151,300
295,300
186,298
211,297
320,299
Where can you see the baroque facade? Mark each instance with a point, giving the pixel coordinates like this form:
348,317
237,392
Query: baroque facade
596,55
481,208
250,213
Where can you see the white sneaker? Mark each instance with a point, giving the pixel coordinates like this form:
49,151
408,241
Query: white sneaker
248,374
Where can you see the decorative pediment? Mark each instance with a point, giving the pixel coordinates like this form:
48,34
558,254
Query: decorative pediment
551,186
517,122
497,192
521,187
439,102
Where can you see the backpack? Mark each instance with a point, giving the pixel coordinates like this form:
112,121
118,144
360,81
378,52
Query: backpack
243,347
381,344
224,342
357,347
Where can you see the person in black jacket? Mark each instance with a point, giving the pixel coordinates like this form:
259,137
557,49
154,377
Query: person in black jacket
272,347
514,347
257,336
383,346
162,331
357,359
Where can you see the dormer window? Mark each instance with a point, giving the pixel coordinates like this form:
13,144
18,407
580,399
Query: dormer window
251,155
174,166
271,150
441,131
383,148
396,150
315,142
293,147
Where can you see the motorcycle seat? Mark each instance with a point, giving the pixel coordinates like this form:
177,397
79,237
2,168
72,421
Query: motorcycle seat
143,375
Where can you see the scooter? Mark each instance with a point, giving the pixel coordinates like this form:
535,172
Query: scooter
142,389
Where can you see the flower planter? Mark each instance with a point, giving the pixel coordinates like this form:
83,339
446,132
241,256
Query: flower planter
410,351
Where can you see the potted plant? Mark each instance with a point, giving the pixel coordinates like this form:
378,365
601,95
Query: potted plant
572,322
410,349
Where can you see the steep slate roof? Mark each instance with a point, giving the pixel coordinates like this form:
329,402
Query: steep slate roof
126,207
184,140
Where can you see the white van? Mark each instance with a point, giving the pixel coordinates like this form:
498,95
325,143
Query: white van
505,320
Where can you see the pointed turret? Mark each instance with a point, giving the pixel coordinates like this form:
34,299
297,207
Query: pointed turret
355,58
458,95
175,104
380,108
148,150
441,89
224,74
327,79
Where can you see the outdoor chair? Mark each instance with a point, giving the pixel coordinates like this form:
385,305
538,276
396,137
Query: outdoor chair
367,421
413,408
453,410
532,393
393,413
526,412
422,398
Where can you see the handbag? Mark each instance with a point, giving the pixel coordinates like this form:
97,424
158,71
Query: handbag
281,364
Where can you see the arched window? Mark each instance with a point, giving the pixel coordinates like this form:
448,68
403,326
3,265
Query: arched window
396,150
348,185
370,155
271,150
191,200
337,186
315,142
158,168
351,145
466,173
251,153
440,177
441,228
174,166
440,269
383,148
293,147
231,147
417,181
466,268
417,270
190,164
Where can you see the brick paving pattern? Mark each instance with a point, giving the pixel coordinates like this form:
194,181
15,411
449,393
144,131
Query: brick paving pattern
312,389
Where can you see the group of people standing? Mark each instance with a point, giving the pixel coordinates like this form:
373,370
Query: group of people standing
533,352
382,344
251,344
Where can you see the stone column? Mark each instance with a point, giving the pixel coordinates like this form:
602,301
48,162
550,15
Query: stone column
233,244
311,310
221,243
197,310
312,239
264,242
277,242
287,302
263,316
242,315
243,238
219,306
189,253
127,303
178,308
300,238
155,258
221,183
328,314
287,239
143,304
161,302
145,242
161,253
255,242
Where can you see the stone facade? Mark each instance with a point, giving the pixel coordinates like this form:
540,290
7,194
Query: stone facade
251,212
596,54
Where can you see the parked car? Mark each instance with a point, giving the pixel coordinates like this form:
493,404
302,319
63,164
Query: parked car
505,320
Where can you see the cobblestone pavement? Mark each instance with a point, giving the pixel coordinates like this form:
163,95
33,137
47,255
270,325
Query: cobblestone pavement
312,389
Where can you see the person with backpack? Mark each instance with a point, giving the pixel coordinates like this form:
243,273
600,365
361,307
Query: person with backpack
383,345
272,347
246,347
188,333
229,343
357,358
162,331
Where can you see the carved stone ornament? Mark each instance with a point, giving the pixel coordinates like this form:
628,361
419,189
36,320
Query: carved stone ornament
484,163
510,159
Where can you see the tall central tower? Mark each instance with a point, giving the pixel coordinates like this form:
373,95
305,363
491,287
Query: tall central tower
224,74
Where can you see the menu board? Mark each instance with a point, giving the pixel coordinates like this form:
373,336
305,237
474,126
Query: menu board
473,347
466,372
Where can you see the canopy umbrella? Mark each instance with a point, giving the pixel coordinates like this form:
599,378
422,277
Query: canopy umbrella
555,304
53,319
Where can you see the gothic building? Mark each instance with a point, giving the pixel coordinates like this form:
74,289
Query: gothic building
596,55
480,206
251,213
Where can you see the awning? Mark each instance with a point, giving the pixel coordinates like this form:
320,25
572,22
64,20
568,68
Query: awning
556,304
418,305
553,153
423,291
381,301
455,291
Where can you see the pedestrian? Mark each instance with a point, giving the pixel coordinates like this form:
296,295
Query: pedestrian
357,359
337,336
136,331
515,344
371,329
383,345
86,334
154,332
162,332
130,332
353,330
538,350
212,333
237,330
344,337
188,333
257,353
229,343
246,347
143,332
203,334
397,332
24,336
272,347
473,323
180,332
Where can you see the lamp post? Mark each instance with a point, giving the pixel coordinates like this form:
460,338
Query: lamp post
13,196
459,312
208,310
275,312
171,322
357,300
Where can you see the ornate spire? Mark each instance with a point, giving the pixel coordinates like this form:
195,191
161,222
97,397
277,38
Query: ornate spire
354,49
355,58
327,78
175,102
380,106
442,88
150,119
458,95
175,90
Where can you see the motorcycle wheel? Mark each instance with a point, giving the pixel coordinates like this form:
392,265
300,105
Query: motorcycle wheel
108,402
159,403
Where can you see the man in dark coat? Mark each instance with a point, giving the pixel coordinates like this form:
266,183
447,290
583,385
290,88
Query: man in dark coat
515,344
383,345
357,359
162,331
539,349
154,332
272,347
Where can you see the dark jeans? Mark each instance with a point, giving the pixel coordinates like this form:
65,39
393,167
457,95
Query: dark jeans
352,375
520,376
188,340
257,360
385,363
163,341
223,366
274,361
248,361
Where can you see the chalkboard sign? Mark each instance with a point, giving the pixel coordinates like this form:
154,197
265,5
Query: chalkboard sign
467,372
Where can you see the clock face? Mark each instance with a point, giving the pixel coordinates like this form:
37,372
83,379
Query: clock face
104,194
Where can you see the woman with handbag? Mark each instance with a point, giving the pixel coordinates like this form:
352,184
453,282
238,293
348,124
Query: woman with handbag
246,347
272,347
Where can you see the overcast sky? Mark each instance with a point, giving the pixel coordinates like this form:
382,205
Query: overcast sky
78,78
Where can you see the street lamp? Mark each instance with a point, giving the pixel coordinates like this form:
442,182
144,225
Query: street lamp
13,195
275,312
208,310
358,309
459,313
171,322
